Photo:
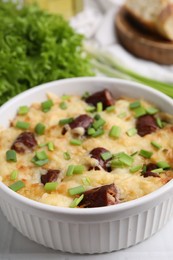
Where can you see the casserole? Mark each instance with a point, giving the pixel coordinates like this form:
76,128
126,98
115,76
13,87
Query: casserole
95,230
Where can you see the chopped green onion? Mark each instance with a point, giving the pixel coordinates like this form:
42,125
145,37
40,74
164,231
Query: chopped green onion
40,158
42,145
41,155
139,111
125,159
122,160
110,109
106,156
76,201
23,110
156,145
67,156
122,115
76,142
116,155
144,168
115,132
51,146
135,168
78,169
22,125
135,104
17,185
152,110
86,181
39,162
131,132
14,175
91,131
66,121
40,129
145,154
116,164
11,156
97,124
63,105
97,117
99,132
70,170
159,170
75,169
110,66
65,97
133,154
159,122
99,107
46,105
50,186
85,95
90,109
76,190
163,165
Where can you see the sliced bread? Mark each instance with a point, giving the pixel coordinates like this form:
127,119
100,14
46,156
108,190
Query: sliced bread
155,15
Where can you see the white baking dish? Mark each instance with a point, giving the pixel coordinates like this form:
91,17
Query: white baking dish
89,230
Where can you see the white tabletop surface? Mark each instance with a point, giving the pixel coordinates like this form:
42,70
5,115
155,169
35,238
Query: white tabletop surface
14,246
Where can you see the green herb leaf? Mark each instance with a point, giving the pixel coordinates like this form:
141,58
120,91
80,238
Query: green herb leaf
40,47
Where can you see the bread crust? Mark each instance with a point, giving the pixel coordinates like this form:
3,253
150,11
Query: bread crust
160,21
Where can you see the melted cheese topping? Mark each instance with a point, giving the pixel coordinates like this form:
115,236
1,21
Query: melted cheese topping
130,185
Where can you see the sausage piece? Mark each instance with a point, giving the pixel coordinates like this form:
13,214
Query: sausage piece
99,197
50,176
146,125
149,173
105,97
96,153
24,141
83,121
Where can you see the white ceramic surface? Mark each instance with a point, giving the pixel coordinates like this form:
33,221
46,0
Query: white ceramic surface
94,230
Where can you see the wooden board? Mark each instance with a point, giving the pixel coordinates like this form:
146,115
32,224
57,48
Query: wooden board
140,42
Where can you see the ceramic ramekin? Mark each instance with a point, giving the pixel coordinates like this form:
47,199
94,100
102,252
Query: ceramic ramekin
92,230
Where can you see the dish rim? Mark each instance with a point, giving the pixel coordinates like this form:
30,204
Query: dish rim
87,211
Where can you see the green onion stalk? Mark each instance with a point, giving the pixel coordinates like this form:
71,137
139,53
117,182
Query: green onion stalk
105,63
